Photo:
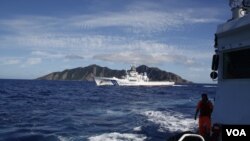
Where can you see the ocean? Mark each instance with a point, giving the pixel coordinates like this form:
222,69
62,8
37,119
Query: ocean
38,110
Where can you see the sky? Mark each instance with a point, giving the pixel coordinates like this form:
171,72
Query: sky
38,37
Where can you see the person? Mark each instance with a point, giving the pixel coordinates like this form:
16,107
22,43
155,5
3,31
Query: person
205,108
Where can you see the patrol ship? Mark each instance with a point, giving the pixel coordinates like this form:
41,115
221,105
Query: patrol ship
132,78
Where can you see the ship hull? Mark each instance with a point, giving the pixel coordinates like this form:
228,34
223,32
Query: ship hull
102,81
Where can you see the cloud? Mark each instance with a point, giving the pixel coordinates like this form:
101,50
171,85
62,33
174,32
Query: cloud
88,31
74,57
154,53
149,59
137,17
56,55
147,20
47,55
125,57
33,61
199,69
133,34
12,61
22,61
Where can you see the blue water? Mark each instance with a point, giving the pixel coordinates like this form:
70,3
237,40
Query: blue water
32,110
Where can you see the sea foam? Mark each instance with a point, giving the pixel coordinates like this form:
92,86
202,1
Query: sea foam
115,136
170,121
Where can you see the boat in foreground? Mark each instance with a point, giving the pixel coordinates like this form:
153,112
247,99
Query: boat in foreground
231,68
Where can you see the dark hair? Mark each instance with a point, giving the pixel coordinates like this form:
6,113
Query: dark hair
204,96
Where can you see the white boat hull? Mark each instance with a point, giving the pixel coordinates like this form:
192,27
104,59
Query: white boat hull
101,81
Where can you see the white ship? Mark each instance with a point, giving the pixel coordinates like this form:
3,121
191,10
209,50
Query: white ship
132,78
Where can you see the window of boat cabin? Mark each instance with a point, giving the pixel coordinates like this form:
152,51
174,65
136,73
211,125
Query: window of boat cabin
236,64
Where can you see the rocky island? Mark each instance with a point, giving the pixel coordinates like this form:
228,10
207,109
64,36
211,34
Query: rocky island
88,73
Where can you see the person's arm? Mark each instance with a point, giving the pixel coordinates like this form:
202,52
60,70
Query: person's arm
197,111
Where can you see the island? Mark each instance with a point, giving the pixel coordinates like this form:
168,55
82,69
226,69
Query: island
87,73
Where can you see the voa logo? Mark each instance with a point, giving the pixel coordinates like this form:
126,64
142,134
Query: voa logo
236,132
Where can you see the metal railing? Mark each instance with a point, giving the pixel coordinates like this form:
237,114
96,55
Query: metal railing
191,135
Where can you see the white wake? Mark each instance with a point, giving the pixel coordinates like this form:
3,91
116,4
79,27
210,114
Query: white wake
171,121
118,137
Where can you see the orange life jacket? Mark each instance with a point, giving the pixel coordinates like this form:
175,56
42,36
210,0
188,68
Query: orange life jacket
205,108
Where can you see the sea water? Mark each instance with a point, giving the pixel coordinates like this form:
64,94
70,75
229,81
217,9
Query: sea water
35,110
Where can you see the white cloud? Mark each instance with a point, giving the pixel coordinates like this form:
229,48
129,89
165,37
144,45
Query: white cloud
50,33
74,57
198,69
33,61
22,61
148,59
56,55
150,52
12,61
147,20
86,35
47,55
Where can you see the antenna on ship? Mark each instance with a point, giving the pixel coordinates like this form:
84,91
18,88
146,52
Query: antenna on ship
246,5
239,8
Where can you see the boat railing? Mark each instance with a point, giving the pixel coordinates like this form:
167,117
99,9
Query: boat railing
185,136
